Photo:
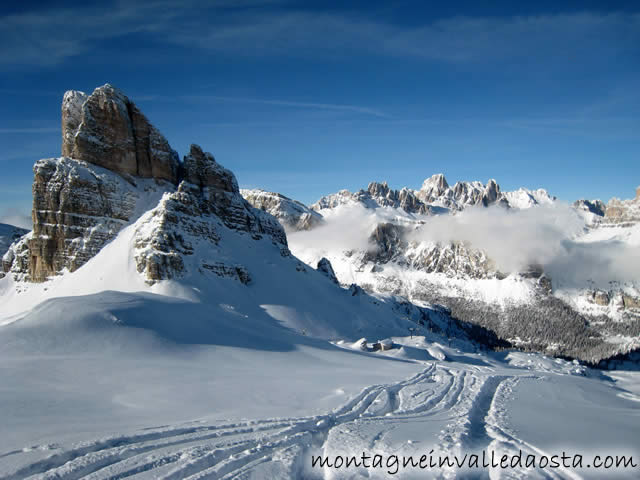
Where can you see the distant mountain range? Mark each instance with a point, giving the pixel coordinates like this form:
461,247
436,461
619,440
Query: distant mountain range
527,307
414,258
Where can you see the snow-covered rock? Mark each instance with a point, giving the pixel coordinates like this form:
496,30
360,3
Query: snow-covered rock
293,215
524,198
407,255
376,195
185,233
595,207
435,195
8,235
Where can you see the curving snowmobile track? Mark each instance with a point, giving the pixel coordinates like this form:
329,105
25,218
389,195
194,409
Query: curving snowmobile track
467,402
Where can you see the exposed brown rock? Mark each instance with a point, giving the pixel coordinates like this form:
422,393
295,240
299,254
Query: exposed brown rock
623,211
107,129
600,298
405,198
630,302
81,203
115,163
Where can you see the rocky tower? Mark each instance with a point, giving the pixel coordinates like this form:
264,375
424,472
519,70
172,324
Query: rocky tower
116,166
107,129
112,158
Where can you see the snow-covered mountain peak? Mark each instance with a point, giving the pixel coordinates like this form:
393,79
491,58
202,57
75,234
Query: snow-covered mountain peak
524,198
436,195
434,185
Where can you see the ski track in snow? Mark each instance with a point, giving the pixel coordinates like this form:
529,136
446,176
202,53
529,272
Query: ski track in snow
470,401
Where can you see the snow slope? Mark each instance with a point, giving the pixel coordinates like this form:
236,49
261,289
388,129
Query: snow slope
107,377
108,393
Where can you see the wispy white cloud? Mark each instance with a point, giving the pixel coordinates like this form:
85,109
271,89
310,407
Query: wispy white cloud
288,103
515,239
53,35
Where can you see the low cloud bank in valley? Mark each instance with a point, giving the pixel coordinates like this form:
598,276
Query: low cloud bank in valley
545,235
549,236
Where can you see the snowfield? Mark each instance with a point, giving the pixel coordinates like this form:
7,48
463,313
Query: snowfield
104,377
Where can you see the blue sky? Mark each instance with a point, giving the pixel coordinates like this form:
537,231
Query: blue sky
307,98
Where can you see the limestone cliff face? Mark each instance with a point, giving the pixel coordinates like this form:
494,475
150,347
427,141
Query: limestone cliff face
115,167
107,129
206,205
113,161
77,209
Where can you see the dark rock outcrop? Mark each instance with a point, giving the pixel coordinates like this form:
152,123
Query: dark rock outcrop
387,239
324,266
597,207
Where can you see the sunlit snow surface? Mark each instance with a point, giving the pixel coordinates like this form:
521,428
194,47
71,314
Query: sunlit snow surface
103,377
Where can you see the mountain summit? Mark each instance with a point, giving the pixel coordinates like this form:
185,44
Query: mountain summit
115,167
